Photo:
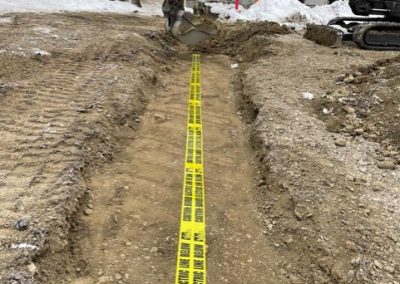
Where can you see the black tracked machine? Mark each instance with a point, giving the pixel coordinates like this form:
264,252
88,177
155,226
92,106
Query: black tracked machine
376,26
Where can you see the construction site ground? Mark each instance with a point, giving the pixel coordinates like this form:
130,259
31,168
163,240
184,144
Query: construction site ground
301,148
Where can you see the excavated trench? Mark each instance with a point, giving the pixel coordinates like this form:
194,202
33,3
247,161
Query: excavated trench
129,234
114,217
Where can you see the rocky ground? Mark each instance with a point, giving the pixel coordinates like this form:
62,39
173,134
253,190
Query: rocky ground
303,189
325,124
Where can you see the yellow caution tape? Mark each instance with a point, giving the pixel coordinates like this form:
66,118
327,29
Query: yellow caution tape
191,264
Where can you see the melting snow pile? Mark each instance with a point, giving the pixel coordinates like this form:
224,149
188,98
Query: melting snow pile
101,6
283,11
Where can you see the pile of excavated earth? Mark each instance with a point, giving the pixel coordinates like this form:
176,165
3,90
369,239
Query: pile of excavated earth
301,150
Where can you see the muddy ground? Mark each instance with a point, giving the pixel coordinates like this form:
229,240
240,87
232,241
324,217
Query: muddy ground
299,188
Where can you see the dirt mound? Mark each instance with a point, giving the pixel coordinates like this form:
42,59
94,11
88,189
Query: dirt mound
247,40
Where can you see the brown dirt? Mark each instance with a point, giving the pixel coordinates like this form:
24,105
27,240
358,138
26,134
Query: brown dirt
373,92
64,112
71,113
93,143
330,212
133,228
247,41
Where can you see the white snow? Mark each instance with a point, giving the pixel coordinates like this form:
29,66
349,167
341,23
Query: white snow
44,30
101,6
308,96
39,52
283,11
24,246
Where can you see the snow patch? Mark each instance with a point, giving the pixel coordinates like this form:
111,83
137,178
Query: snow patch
39,52
283,11
308,96
24,246
99,6
44,30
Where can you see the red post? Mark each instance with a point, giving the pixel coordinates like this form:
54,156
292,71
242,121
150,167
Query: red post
236,5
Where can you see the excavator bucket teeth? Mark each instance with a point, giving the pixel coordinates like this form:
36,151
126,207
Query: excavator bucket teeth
191,29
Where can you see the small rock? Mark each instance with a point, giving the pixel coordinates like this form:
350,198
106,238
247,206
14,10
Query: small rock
333,125
22,225
103,279
387,165
378,264
88,211
32,268
340,142
262,182
302,213
349,79
160,118
359,131
389,269
294,279
350,245
394,238
154,249
288,240
349,109
350,276
118,276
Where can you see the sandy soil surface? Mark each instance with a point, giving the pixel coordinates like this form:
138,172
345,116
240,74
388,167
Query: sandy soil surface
93,128
141,190
71,86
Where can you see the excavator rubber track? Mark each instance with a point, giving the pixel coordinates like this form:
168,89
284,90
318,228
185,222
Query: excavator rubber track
375,33
378,36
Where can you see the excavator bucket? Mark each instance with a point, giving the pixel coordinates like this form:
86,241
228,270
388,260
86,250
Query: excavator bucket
324,35
191,29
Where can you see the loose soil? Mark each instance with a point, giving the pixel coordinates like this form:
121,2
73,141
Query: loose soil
132,231
93,113
330,210
245,41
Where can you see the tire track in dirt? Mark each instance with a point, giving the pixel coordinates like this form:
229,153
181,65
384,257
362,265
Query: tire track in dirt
38,152
131,235
64,114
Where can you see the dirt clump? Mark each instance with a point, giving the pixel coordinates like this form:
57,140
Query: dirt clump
247,41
